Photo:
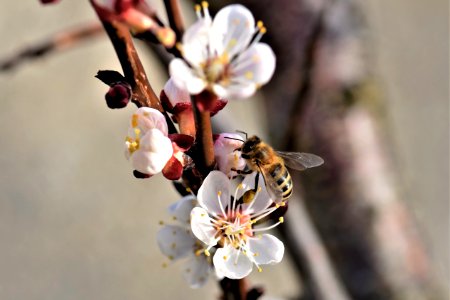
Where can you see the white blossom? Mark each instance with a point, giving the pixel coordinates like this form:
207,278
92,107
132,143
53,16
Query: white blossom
177,242
224,55
147,145
226,219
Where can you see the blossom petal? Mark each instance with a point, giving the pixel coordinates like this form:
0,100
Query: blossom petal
226,156
195,41
154,152
254,65
181,209
175,94
184,77
268,249
236,90
174,241
196,271
262,199
232,263
146,118
233,28
202,227
214,194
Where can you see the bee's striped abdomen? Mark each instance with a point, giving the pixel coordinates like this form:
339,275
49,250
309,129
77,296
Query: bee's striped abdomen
283,180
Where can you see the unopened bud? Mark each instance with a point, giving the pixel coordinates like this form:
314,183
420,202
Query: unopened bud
118,95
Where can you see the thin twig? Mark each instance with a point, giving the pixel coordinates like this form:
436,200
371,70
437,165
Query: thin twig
63,40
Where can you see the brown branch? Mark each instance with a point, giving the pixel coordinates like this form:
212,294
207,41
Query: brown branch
234,289
60,41
175,17
204,158
119,34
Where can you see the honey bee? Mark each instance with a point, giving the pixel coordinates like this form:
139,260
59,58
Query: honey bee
262,158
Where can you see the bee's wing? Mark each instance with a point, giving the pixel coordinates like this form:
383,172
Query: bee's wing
272,187
300,161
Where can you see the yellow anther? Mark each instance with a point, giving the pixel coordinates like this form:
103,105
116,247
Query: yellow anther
202,215
241,231
170,257
198,252
259,189
205,4
240,186
260,24
197,7
256,254
225,257
173,246
164,265
179,47
259,269
263,30
219,193
166,36
249,75
128,139
174,218
188,190
207,252
134,120
277,205
161,222
137,132
281,219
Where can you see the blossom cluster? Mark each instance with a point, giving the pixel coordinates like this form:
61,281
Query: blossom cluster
219,225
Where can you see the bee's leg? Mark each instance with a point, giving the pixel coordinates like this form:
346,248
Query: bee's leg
256,181
242,172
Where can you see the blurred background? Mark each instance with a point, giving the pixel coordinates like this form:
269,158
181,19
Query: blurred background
75,223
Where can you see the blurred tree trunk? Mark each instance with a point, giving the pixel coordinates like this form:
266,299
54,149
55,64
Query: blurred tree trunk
323,99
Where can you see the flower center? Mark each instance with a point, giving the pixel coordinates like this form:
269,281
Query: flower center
234,230
216,68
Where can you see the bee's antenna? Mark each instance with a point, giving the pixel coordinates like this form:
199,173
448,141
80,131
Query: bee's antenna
230,138
243,132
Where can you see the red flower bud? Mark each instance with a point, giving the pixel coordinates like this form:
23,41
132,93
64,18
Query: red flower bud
118,95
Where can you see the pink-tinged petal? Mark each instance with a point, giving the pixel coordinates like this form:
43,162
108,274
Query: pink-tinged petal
174,241
266,249
202,227
173,169
232,263
196,271
181,209
226,156
175,94
183,141
184,77
255,65
214,194
262,199
195,42
233,28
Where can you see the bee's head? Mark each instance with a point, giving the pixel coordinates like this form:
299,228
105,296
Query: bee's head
250,145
